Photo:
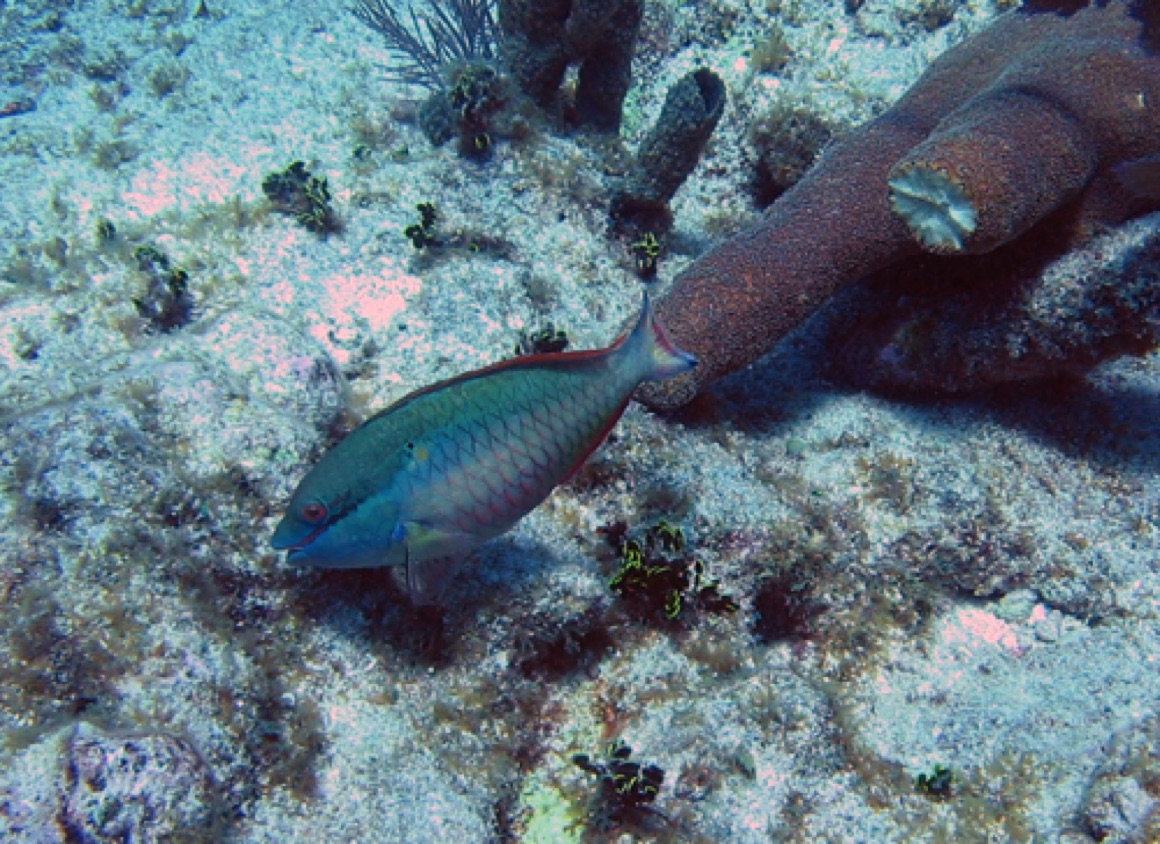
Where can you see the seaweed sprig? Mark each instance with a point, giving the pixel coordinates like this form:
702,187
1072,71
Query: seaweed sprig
422,233
937,784
166,304
659,582
299,193
627,788
546,340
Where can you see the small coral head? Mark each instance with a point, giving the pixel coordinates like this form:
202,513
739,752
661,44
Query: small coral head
935,207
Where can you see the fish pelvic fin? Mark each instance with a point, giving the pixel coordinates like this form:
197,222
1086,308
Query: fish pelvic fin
650,350
425,581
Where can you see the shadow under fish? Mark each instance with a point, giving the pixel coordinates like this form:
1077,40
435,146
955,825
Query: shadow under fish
424,482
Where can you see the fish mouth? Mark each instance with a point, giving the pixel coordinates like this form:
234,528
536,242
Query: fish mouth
280,542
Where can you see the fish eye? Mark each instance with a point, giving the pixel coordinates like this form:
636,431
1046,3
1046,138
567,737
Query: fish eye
314,512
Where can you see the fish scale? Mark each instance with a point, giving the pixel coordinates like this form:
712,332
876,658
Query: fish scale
454,464
489,445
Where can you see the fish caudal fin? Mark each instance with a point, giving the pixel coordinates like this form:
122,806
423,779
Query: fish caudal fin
650,349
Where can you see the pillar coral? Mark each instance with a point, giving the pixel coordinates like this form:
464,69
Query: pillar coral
1027,117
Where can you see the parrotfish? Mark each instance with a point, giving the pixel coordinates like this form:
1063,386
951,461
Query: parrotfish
424,482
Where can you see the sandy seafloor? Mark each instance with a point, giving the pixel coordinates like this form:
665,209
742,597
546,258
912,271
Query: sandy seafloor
981,575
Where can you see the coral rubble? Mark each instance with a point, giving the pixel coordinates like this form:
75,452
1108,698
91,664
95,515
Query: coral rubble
140,787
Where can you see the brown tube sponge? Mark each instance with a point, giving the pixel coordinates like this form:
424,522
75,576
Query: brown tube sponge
998,119
945,190
1045,126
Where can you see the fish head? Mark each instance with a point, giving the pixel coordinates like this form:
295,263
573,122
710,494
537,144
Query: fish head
326,533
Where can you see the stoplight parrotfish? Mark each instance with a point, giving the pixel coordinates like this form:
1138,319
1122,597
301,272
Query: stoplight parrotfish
441,471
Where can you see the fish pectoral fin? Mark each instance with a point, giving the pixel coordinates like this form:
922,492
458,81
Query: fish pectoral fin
424,541
426,581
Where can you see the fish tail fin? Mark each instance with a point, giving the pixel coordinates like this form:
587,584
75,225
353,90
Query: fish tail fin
650,349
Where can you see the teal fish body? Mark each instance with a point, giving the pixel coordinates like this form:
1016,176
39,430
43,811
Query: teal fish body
457,463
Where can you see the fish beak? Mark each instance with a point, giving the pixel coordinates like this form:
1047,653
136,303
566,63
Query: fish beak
288,536
282,539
